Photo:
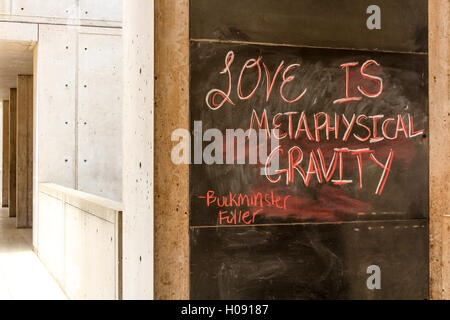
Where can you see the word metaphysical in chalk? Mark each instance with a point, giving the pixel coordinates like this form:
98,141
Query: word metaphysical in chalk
298,125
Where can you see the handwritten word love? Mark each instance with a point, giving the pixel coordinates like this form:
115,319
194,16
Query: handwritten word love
216,98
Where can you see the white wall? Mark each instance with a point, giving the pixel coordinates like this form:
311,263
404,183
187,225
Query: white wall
138,156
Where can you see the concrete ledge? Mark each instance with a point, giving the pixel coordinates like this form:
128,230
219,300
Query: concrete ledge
79,240
102,208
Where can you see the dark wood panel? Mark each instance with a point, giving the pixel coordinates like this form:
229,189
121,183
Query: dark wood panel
310,261
331,23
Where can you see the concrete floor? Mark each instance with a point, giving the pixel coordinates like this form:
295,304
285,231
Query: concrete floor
22,275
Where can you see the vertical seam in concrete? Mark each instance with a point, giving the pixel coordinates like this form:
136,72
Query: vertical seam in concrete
76,122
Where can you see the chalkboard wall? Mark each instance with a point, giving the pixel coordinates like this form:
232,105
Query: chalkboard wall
351,187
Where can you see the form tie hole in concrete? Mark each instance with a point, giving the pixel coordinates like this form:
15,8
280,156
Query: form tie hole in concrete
140,258
85,160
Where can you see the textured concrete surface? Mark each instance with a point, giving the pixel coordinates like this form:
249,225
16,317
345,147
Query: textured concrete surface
138,150
171,181
439,60
12,152
24,164
5,148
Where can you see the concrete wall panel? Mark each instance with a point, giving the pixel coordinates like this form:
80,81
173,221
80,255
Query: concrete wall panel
51,235
56,88
55,9
79,104
101,10
80,242
100,115
89,256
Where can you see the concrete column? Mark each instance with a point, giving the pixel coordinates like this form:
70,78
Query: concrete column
138,150
12,151
439,82
35,151
24,173
5,163
171,181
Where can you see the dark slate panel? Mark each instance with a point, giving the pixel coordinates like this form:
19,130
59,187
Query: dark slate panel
324,23
405,92
327,261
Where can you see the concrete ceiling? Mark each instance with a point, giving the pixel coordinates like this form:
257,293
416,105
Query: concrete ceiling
16,57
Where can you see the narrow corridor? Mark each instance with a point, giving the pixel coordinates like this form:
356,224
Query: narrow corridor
22,275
